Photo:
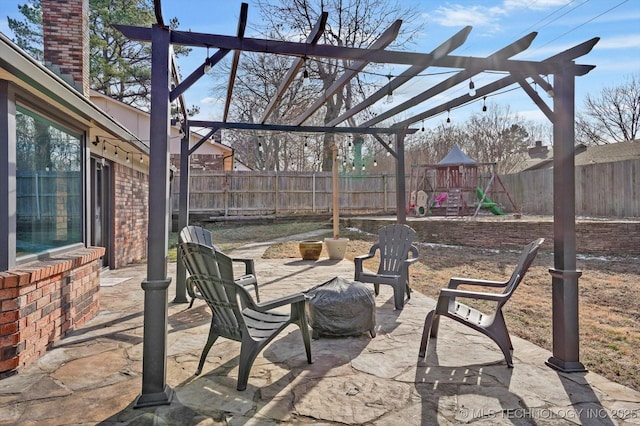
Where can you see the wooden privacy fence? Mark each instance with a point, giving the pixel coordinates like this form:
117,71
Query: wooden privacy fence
602,190
266,193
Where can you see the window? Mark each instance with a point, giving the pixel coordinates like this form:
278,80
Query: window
49,190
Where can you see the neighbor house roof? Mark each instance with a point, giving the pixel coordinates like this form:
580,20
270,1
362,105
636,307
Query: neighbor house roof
585,155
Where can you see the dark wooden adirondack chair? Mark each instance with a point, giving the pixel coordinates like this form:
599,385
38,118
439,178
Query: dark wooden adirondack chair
395,243
235,315
197,234
491,325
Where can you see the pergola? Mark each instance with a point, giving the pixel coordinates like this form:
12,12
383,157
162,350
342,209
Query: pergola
165,88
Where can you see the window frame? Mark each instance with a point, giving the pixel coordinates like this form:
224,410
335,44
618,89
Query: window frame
58,118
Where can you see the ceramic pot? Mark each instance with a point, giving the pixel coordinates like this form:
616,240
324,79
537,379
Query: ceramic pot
310,250
336,247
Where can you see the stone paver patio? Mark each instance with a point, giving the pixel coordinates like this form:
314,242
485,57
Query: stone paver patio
94,375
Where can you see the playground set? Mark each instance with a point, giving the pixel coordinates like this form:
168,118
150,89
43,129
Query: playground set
456,186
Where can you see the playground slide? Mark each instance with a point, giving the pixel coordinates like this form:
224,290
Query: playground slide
487,203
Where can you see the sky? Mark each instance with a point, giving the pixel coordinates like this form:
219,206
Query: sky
560,24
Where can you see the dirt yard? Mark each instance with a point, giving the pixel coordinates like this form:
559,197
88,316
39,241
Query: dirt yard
609,298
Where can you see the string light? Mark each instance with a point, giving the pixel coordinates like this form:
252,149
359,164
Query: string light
141,159
423,125
207,65
484,104
116,153
550,90
375,162
305,72
472,88
389,92
362,166
448,118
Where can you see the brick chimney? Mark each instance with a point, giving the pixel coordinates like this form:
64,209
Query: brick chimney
65,27
538,150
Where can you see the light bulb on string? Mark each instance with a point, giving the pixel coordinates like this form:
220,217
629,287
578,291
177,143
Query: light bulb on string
207,65
484,104
423,125
375,163
448,118
363,166
389,91
472,88
550,90
305,72
141,159
353,165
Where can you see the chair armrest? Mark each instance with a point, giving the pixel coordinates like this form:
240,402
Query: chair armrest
249,265
457,281
452,293
281,301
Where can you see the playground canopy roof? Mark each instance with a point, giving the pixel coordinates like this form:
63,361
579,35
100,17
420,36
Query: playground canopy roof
456,156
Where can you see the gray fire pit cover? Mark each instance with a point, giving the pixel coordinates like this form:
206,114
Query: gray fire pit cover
340,307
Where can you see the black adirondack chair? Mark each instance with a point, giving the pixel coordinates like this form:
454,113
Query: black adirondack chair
235,315
395,243
197,234
492,325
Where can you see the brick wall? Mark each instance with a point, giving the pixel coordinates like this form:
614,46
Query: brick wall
65,30
592,236
41,302
131,215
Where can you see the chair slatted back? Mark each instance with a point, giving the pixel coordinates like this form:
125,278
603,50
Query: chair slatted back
395,242
212,273
529,253
196,234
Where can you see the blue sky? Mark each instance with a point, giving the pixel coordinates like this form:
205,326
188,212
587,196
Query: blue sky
561,24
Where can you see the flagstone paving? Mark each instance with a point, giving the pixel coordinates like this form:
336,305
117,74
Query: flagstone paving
94,375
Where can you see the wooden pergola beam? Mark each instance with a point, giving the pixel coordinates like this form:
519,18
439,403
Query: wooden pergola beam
510,50
289,48
286,81
299,129
352,71
445,48
242,24
567,55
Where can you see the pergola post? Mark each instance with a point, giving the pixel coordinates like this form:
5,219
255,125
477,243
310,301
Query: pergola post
155,391
401,198
564,282
183,214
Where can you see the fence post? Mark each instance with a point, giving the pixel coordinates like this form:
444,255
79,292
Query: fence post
276,194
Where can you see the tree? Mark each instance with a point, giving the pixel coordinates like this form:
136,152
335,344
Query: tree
119,67
351,23
28,33
497,136
614,116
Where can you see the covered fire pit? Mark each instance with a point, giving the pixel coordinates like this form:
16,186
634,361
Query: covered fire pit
340,307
